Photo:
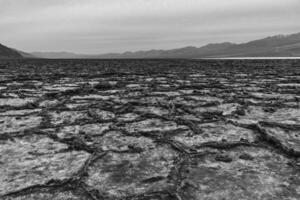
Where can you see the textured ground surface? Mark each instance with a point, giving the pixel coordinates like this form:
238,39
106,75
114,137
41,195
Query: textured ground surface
149,130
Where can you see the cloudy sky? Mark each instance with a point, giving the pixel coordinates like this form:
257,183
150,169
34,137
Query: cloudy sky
100,26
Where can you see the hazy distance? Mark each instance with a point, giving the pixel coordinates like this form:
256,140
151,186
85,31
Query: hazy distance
103,26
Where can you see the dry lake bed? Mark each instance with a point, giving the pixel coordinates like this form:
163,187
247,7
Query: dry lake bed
150,129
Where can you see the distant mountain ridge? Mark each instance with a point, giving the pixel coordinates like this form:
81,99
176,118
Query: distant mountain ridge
275,46
8,53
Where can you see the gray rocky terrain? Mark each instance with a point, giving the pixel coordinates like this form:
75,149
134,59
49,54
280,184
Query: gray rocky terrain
149,130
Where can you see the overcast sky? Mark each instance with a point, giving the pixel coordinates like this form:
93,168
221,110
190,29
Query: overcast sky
100,26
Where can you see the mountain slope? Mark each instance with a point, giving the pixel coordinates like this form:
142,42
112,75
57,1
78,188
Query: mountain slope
24,54
280,45
271,46
8,53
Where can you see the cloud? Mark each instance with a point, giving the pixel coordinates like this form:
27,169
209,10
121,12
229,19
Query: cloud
97,26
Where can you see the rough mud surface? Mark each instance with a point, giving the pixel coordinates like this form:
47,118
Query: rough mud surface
149,130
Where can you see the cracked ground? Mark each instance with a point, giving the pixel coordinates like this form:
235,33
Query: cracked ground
149,130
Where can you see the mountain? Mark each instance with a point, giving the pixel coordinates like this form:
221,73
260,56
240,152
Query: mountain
8,53
24,54
279,46
186,52
174,53
276,46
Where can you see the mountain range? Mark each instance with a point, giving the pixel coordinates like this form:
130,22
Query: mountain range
275,46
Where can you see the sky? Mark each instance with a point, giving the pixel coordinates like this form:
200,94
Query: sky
103,26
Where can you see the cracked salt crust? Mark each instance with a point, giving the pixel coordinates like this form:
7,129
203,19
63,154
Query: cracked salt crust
36,160
137,174
16,101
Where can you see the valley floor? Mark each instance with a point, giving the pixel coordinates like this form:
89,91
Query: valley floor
149,129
